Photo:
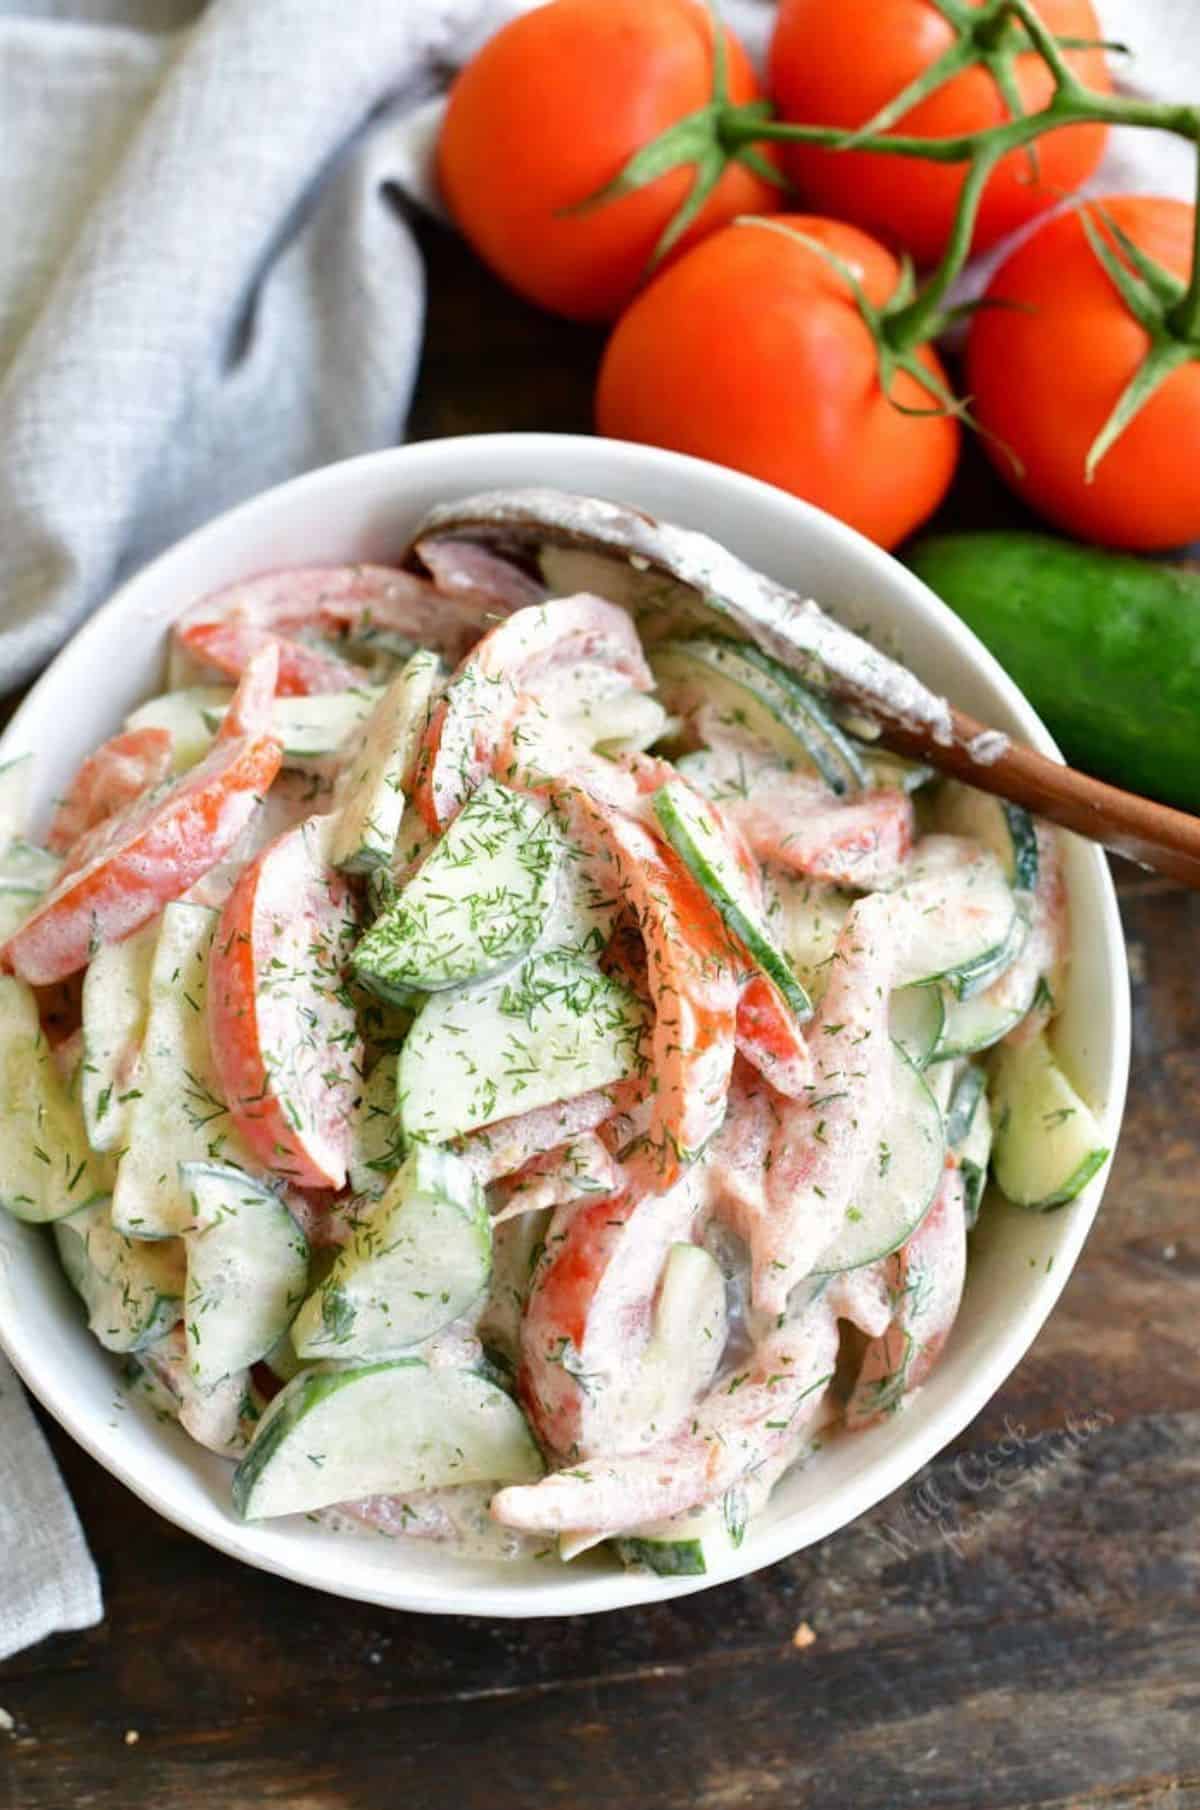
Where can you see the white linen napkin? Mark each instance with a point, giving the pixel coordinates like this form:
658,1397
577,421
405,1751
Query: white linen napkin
48,1582
208,284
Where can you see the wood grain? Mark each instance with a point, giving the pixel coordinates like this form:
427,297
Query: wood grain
1031,1640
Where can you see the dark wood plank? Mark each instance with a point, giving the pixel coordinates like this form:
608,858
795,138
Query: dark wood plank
972,1647
1032,1642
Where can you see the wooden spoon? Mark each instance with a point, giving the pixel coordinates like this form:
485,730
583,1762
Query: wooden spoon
1152,834
638,552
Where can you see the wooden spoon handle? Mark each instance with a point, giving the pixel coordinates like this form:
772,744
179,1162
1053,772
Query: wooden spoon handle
1152,834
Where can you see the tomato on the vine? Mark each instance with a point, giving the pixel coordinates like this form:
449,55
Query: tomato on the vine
1048,364
551,110
839,65
753,351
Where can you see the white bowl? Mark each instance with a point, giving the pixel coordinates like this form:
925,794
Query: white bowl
363,510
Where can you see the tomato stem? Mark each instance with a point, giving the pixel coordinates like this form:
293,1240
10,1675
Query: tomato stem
1082,106
924,317
1169,311
1184,318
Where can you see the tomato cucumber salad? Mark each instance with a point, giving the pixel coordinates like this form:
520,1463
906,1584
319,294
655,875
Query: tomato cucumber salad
505,1055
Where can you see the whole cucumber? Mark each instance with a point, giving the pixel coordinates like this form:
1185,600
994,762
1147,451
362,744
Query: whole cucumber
1105,647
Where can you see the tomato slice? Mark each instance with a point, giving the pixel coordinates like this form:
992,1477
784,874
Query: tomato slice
768,1033
926,1278
226,629
284,1036
584,1166
121,770
130,866
303,671
825,1136
694,976
864,843
502,1148
744,1424
792,819
769,1037
484,696
590,1311
465,569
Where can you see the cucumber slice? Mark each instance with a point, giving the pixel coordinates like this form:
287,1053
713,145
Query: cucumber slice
372,806
831,750
378,1143
46,1168
26,872
974,1165
571,570
416,1261
116,1001
973,978
626,722
282,1361
901,1180
395,998
666,1550
670,1548
247,1271
696,838
977,1023
760,695
133,1291
940,1079
1006,829
683,1353
806,918
554,1028
475,905
1048,1144
315,728
966,926
892,772
916,1016
186,716
686,1545
384,1024
381,1430
24,866
517,1245
969,1134
14,798
969,1090
184,671
179,1115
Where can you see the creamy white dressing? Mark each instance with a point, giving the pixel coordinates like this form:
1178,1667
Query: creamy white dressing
989,746
763,1216
456,1517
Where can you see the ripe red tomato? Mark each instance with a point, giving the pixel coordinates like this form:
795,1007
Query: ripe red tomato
1046,374
550,111
751,351
838,65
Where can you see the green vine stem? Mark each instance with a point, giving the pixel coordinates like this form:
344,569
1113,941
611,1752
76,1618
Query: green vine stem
1169,311
1185,318
1074,105
992,35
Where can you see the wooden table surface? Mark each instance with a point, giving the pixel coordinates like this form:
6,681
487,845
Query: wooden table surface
1034,1642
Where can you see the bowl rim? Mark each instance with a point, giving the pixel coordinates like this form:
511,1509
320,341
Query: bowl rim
766,1545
